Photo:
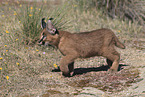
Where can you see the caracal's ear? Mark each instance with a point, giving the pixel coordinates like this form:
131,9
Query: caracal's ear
43,23
50,27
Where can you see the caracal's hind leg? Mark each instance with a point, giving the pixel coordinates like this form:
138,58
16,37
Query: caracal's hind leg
113,58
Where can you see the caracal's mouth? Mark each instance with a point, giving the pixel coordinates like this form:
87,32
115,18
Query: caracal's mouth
41,41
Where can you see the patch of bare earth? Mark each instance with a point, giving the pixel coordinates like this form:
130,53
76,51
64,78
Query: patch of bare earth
91,77
106,82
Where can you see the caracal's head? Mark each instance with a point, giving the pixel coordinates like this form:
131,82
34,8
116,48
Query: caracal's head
49,33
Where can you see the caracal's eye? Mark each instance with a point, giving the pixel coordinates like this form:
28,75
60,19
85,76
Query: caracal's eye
53,30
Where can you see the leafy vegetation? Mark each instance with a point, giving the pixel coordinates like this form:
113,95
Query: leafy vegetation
29,18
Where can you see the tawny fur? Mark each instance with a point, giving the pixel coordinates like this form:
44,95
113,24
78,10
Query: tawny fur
99,42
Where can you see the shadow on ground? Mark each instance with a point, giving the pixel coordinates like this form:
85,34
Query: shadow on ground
80,71
98,77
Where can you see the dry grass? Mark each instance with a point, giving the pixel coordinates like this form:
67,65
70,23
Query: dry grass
122,9
26,70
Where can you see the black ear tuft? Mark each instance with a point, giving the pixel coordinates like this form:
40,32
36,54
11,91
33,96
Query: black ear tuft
50,18
43,24
56,32
43,19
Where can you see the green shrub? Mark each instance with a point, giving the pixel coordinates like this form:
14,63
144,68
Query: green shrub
60,16
29,18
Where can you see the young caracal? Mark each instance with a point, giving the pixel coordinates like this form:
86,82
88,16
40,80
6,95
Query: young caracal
99,42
